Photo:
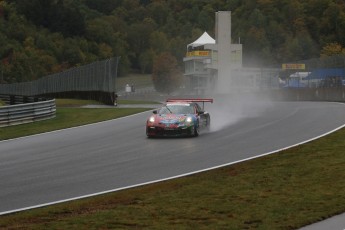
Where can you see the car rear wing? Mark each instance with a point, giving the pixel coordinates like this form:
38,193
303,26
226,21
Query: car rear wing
203,100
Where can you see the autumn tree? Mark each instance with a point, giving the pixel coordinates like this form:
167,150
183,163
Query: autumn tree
68,33
166,75
56,16
145,61
138,37
330,49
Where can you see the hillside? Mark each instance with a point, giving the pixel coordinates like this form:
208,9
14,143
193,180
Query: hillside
40,37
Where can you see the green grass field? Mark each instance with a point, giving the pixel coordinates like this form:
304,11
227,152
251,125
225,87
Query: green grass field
69,115
286,190
138,80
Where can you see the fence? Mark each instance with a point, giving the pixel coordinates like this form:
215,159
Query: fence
28,112
96,80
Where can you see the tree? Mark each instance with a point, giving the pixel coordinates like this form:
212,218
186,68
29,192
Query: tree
103,6
330,49
158,42
138,36
159,12
77,32
53,15
166,75
145,61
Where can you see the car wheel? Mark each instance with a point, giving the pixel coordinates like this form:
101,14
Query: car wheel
208,125
196,131
147,134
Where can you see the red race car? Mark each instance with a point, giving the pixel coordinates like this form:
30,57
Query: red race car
179,117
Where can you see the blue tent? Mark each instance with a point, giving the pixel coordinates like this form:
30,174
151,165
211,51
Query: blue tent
294,83
322,74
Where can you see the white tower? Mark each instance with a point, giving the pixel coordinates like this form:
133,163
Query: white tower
223,40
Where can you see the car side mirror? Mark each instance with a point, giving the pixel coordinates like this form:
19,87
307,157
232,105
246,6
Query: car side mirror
154,112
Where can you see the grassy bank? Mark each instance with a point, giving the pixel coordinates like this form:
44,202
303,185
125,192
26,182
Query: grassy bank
138,80
286,190
66,118
68,115
78,103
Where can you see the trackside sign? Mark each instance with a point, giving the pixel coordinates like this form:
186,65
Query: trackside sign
293,66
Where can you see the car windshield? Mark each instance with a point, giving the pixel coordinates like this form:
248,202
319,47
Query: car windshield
177,109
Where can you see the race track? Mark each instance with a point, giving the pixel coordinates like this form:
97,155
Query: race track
62,165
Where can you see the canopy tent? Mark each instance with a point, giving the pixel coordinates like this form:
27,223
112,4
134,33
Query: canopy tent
326,72
205,38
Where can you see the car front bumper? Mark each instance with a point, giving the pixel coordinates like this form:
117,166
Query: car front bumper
171,131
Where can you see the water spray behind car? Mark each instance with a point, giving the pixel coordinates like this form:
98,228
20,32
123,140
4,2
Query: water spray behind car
234,103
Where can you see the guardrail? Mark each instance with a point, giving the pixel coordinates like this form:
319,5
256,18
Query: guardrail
26,113
18,99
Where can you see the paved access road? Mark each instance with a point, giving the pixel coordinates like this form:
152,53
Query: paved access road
107,156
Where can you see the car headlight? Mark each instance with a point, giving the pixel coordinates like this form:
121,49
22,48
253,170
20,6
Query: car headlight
152,119
189,119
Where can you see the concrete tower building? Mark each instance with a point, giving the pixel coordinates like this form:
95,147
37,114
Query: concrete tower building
223,40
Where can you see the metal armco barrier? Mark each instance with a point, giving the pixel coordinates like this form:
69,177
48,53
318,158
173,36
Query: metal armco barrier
26,113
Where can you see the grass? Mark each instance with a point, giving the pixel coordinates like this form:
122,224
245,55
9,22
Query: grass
138,80
74,102
68,115
66,118
135,102
78,103
287,190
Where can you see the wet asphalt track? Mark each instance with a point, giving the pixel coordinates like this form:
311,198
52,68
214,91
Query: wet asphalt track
107,156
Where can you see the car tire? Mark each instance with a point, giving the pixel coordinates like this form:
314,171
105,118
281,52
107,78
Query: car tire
148,135
196,131
208,127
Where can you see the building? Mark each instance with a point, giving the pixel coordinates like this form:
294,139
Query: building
216,64
209,62
201,63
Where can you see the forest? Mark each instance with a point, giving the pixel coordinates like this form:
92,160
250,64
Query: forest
41,37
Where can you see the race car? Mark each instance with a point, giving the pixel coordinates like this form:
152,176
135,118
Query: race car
179,117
